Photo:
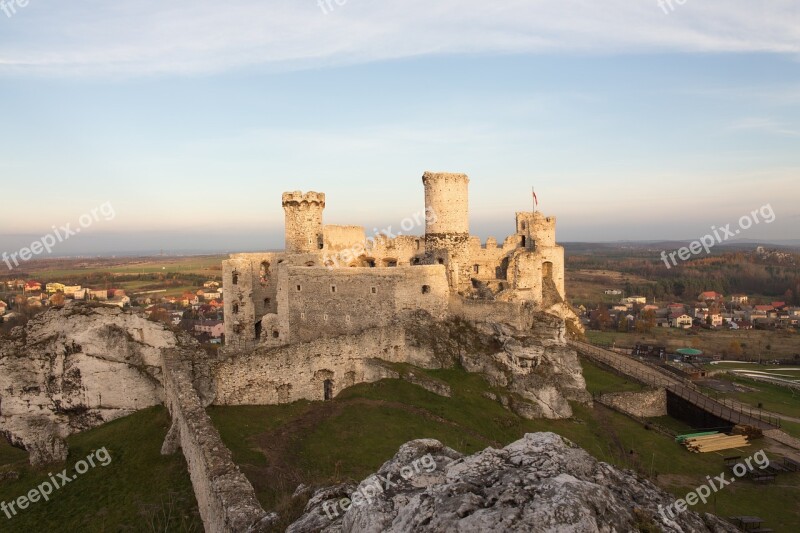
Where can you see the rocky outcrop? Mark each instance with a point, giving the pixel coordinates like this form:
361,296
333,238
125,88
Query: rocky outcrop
539,483
536,368
74,368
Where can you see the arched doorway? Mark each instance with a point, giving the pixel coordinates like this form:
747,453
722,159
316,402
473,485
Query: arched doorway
328,389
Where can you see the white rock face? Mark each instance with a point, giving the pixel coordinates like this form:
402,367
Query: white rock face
75,368
540,483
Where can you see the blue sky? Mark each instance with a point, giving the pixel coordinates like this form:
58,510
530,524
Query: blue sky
191,118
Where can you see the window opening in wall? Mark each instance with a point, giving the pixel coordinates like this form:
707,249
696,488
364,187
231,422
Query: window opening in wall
374,290
426,289
476,268
524,241
327,390
441,261
263,275
235,308
298,288
235,278
275,334
267,301
258,330
333,288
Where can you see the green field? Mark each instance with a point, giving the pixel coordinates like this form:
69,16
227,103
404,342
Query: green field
51,270
600,381
140,490
755,344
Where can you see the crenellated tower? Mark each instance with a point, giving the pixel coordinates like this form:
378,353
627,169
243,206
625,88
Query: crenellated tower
304,221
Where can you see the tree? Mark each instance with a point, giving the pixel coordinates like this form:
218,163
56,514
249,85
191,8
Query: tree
735,349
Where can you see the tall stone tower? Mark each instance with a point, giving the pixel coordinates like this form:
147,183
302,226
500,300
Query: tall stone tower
447,225
303,221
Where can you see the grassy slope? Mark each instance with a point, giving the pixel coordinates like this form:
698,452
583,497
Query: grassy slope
137,486
313,442
281,446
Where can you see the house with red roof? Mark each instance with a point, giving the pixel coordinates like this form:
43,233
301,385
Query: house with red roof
32,286
710,295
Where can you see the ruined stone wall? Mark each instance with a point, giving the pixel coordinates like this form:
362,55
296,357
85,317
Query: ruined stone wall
226,499
303,215
339,238
644,404
250,285
487,258
527,270
299,371
330,302
400,251
513,313
538,227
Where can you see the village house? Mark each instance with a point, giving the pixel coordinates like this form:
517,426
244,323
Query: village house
739,299
710,296
630,300
3,307
52,288
70,290
214,328
211,284
32,286
98,294
680,320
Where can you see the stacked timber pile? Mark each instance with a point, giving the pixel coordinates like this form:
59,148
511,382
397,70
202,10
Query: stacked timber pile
714,443
750,432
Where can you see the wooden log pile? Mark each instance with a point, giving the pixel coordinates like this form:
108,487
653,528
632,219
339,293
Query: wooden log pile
714,443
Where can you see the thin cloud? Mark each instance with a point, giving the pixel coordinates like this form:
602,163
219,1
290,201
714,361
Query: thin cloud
196,37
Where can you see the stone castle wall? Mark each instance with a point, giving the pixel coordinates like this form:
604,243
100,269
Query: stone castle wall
644,404
299,371
324,302
226,499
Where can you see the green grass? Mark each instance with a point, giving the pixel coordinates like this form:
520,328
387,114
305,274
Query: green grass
792,428
9,454
138,484
319,443
773,398
600,380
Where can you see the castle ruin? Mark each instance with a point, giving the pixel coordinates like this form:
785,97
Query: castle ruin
333,280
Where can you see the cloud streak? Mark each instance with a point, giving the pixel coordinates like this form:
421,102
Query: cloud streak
94,38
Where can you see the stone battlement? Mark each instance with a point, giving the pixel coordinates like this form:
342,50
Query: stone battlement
445,176
298,198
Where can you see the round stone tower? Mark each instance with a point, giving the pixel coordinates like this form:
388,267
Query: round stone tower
303,221
447,225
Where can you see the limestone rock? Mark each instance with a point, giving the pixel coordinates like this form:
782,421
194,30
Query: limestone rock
540,483
74,368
